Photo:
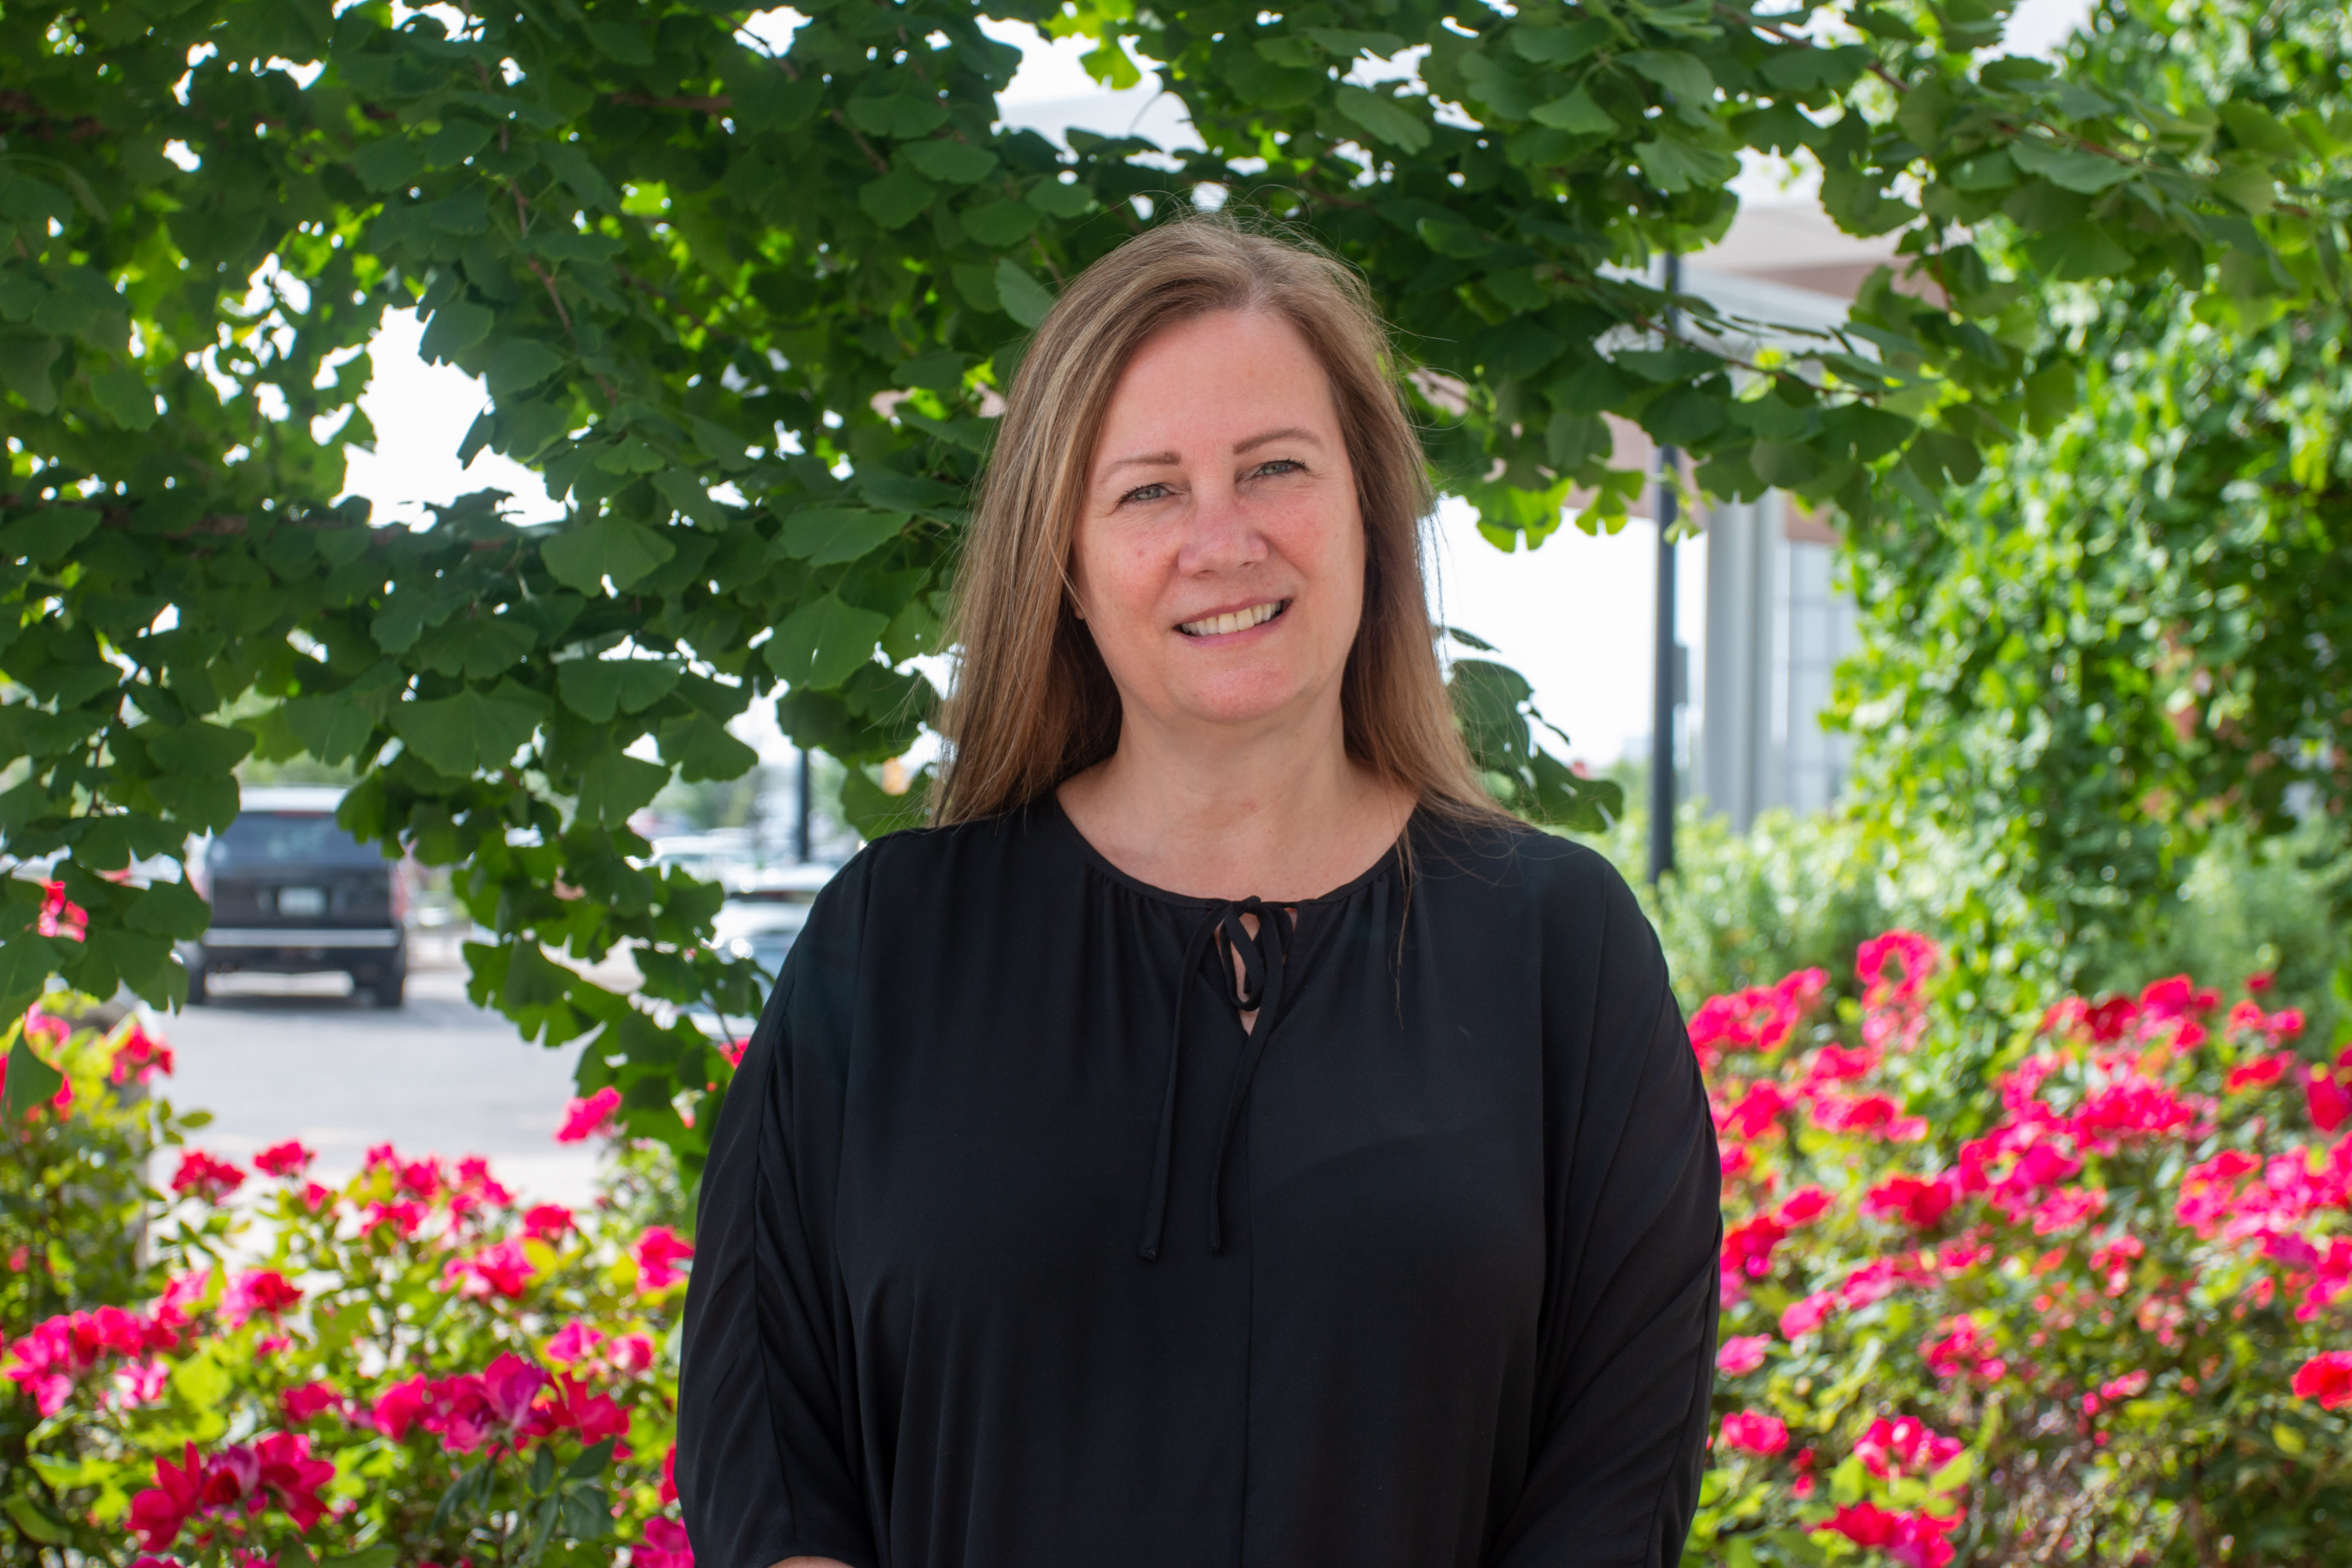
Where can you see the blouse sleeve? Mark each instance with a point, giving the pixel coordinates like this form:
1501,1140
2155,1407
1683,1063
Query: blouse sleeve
767,1459
1626,1357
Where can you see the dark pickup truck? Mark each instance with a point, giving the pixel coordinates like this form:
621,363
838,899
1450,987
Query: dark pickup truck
292,893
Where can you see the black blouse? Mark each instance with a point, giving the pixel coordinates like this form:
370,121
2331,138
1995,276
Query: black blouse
1016,1251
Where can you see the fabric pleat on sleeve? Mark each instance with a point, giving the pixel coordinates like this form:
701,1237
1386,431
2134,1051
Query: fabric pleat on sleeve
765,1457
1629,1319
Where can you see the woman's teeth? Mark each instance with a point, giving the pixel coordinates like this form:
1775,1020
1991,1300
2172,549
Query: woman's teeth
1233,621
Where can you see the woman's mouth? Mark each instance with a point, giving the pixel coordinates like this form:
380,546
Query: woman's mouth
1234,620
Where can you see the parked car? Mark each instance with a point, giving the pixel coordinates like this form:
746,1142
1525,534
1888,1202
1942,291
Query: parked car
292,893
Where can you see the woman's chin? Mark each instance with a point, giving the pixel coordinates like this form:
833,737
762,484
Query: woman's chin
1240,702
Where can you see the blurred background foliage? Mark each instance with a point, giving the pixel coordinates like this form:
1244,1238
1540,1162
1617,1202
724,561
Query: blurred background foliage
2100,700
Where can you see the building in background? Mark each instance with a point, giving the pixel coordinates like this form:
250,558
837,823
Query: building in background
1774,626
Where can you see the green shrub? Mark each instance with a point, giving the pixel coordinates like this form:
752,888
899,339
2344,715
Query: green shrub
412,1367
2098,1323
2096,1315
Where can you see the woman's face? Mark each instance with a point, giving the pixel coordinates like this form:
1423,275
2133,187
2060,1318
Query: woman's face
1220,556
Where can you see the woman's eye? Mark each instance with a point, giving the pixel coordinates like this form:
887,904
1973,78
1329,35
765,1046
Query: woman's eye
1144,493
1280,465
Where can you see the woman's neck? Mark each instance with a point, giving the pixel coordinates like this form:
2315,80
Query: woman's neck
1284,815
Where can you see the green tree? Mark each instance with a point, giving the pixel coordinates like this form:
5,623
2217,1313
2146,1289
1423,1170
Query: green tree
744,308
2132,629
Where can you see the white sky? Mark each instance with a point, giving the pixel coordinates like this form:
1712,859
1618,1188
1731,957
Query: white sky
1574,616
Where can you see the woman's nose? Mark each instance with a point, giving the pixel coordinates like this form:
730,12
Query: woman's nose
1219,535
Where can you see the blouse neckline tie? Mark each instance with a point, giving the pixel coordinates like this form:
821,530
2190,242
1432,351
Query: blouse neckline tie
1263,961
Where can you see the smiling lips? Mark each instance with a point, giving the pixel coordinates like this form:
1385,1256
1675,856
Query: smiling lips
1234,620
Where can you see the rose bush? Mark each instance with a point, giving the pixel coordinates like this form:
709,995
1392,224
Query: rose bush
412,1367
2100,1319
2099,1315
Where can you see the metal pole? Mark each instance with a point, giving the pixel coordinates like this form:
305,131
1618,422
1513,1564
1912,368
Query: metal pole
1664,693
801,827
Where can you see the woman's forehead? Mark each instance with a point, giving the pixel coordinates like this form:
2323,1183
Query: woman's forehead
1217,383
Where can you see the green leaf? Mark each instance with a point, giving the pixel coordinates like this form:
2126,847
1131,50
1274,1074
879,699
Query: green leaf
2255,129
701,748
200,1380
25,370
873,811
591,1462
1564,799
1782,465
1810,67
373,1557
622,41
942,370
28,200
615,785
1384,118
215,233
1682,416
1111,65
457,141
1486,698
2070,168
332,728
596,688
471,732
821,643
1454,239
953,162
125,397
1683,75
1026,300
997,225
1675,165
455,327
26,962
1575,114
48,535
1496,86
2083,252
168,909
478,647
898,198
1057,198
31,1082
1561,46
454,1500
898,115
197,749
825,535
683,490
1572,440
388,162
519,364
34,1522
582,558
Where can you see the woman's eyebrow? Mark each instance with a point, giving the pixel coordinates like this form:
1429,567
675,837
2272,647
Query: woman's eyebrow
1169,460
1146,460
1287,432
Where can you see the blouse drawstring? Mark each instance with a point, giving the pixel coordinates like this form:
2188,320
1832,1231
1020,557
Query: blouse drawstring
1263,961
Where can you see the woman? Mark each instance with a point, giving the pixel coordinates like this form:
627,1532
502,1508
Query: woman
1227,1138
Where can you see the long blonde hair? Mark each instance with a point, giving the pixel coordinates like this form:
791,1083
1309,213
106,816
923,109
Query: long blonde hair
1033,702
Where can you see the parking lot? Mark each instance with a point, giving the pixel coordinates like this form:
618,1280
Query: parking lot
295,1057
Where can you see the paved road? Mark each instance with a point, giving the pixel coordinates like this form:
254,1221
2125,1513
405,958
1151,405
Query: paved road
275,1058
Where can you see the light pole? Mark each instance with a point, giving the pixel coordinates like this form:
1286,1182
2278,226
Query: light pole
801,848
1664,684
